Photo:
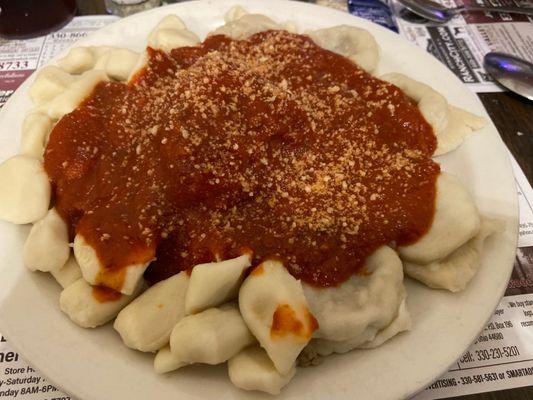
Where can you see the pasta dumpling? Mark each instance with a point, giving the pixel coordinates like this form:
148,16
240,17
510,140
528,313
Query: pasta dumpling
234,13
356,44
165,361
460,124
138,67
68,273
49,83
74,94
91,266
354,312
145,324
245,26
450,124
210,337
458,268
169,22
168,39
47,246
118,63
401,323
35,130
252,369
237,12
262,322
84,308
456,221
171,33
213,284
324,347
273,304
78,60
24,190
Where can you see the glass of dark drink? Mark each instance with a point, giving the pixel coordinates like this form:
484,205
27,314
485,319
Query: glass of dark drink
22,19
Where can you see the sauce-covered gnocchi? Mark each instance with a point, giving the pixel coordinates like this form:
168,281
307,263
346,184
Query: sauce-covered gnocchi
253,199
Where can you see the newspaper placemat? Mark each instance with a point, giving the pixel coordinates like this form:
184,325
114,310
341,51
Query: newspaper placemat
19,58
462,43
501,358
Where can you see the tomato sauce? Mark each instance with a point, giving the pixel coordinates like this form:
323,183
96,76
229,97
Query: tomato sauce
270,143
285,322
103,294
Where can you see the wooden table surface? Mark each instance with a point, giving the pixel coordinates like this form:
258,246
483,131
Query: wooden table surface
513,116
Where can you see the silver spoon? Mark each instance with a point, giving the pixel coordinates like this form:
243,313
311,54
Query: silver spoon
512,72
438,13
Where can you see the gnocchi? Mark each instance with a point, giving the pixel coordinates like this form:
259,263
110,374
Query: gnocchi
47,246
251,313
455,222
215,283
74,94
210,337
91,266
354,43
246,25
68,273
146,323
35,130
354,312
454,271
273,304
24,190
50,82
450,124
170,33
252,369
80,304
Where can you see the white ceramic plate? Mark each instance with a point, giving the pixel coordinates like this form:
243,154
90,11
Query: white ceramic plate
95,365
